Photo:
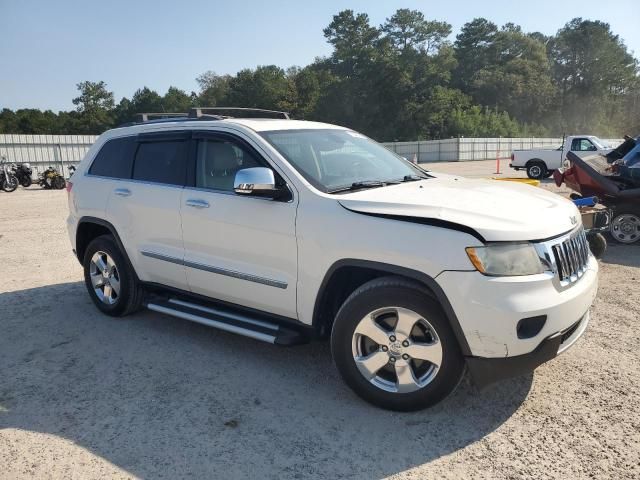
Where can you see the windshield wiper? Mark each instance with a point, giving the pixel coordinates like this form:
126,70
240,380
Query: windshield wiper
363,184
413,178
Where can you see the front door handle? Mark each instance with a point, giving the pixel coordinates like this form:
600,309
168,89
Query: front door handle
197,203
122,192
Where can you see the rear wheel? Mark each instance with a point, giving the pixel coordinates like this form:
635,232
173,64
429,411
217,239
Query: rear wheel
625,227
109,279
58,182
536,170
394,347
26,181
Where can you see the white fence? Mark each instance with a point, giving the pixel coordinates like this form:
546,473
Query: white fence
465,149
42,151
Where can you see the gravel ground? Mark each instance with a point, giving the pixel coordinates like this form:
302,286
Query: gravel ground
86,396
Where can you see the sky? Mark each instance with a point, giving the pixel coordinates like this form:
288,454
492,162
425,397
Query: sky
47,47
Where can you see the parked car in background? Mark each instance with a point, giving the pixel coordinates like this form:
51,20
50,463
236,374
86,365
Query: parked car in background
541,163
286,231
615,180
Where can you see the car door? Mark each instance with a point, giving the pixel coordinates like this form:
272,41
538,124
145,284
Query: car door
145,209
238,249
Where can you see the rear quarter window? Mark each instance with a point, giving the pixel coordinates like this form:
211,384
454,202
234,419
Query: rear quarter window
115,158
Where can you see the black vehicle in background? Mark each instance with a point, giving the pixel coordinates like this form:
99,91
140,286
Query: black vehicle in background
23,173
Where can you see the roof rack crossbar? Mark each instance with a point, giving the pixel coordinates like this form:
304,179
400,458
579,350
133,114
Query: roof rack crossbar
145,117
254,112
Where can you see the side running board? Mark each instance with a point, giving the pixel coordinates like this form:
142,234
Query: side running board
228,320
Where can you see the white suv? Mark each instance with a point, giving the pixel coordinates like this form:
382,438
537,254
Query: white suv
286,231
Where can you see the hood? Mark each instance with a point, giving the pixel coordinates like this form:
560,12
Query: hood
497,211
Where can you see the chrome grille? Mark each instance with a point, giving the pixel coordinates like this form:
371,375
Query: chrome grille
572,256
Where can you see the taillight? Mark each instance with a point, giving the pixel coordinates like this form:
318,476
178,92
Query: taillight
69,186
512,157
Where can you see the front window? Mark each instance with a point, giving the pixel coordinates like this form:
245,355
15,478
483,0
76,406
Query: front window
334,160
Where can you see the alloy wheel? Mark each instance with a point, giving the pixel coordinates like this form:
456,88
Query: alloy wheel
105,278
397,349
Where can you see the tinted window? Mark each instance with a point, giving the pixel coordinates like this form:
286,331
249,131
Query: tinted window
114,159
161,162
218,161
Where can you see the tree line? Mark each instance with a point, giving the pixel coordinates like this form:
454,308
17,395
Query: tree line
405,80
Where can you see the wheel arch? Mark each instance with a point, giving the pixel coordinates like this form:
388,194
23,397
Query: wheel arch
345,276
90,228
535,160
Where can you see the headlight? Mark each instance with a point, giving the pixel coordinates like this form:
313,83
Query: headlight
506,259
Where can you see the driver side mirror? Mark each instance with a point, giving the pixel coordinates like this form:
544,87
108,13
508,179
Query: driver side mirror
256,181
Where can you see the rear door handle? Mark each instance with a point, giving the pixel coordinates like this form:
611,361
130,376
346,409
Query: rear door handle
122,192
197,203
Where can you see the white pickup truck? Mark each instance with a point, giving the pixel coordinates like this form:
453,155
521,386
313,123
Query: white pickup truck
540,163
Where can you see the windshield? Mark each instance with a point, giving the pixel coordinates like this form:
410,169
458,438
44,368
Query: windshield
598,143
333,159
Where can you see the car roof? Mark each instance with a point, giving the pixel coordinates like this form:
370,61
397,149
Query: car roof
267,124
255,124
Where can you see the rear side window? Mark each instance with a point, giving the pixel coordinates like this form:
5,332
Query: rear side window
582,145
161,162
115,158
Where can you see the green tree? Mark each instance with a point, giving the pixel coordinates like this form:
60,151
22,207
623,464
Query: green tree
265,87
214,89
176,100
595,74
408,29
473,50
94,106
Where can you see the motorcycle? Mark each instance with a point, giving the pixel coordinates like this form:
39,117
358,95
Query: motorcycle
24,173
8,181
50,179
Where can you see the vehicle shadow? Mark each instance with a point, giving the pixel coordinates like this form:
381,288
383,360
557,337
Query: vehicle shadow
164,398
618,254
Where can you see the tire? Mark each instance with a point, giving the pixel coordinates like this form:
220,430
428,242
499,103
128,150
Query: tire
58,183
10,183
26,181
128,298
549,173
597,244
625,226
387,300
536,169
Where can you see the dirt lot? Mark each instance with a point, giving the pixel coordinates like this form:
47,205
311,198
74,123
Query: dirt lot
86,396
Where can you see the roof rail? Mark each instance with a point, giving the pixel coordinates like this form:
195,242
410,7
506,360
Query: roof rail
246,112
146,117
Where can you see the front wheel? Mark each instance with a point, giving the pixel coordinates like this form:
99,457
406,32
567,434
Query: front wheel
26,181
625,227
394,347
597,244
9,183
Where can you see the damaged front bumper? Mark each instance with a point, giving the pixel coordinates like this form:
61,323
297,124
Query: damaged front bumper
485,371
